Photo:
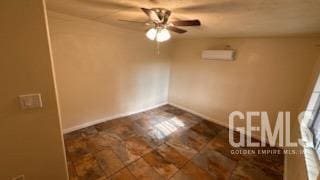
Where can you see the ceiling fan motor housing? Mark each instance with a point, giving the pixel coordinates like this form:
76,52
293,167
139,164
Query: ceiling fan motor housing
163,14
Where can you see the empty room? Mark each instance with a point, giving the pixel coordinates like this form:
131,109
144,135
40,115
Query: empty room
160,89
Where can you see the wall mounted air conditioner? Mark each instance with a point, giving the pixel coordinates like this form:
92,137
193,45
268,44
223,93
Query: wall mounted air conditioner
227,55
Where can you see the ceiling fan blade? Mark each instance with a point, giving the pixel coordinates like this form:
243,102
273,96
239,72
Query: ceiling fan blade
176,30
195,22
152,15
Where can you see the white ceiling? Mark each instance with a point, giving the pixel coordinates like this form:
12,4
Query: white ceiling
220,18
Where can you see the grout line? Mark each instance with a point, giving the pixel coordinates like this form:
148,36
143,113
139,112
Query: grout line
131,172
105,175
153,167
189,160
116,156
124,165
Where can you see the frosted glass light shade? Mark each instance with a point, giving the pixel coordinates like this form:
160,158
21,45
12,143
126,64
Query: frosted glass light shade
159,35
152,33
163,35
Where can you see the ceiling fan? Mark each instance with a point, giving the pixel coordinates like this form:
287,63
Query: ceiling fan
159,20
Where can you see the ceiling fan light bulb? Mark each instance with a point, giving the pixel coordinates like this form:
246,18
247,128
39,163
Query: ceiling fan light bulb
151,34
163,35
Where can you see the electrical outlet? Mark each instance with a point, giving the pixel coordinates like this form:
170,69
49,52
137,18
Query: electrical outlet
20,177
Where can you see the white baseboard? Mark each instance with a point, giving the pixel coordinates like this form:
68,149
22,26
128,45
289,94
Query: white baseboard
199,114
97,121
212,120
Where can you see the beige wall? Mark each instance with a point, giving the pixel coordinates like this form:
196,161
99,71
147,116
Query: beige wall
267,75
103,71
31,142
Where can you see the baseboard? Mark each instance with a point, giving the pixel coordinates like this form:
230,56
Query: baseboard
214,120
198,114
97,121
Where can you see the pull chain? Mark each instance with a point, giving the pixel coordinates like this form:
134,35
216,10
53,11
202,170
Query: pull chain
158,48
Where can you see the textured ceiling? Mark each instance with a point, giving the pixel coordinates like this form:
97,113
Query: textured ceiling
220,18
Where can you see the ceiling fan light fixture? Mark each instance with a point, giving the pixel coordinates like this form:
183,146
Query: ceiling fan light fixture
163,35
152,34
160,35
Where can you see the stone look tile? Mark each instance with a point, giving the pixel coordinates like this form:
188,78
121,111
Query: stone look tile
129,150
123,130
207,129
190,119
125,153
162,115
108,161
72,172
273,162
245,170
188,143
161,165
194,139
89,131
142,171
172,155
138,145
191,172
154,138
72,135
175,111
178,123
156,143
152,112
135,117
216,164
165,130
68,157
88,168
106,125
76,147
166,107
176,143
146,123
110,138
221,144
123,174
96,143
137,130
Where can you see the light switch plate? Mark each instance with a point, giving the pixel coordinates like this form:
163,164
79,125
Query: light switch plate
30,101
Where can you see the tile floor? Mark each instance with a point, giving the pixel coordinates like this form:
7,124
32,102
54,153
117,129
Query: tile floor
163,143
